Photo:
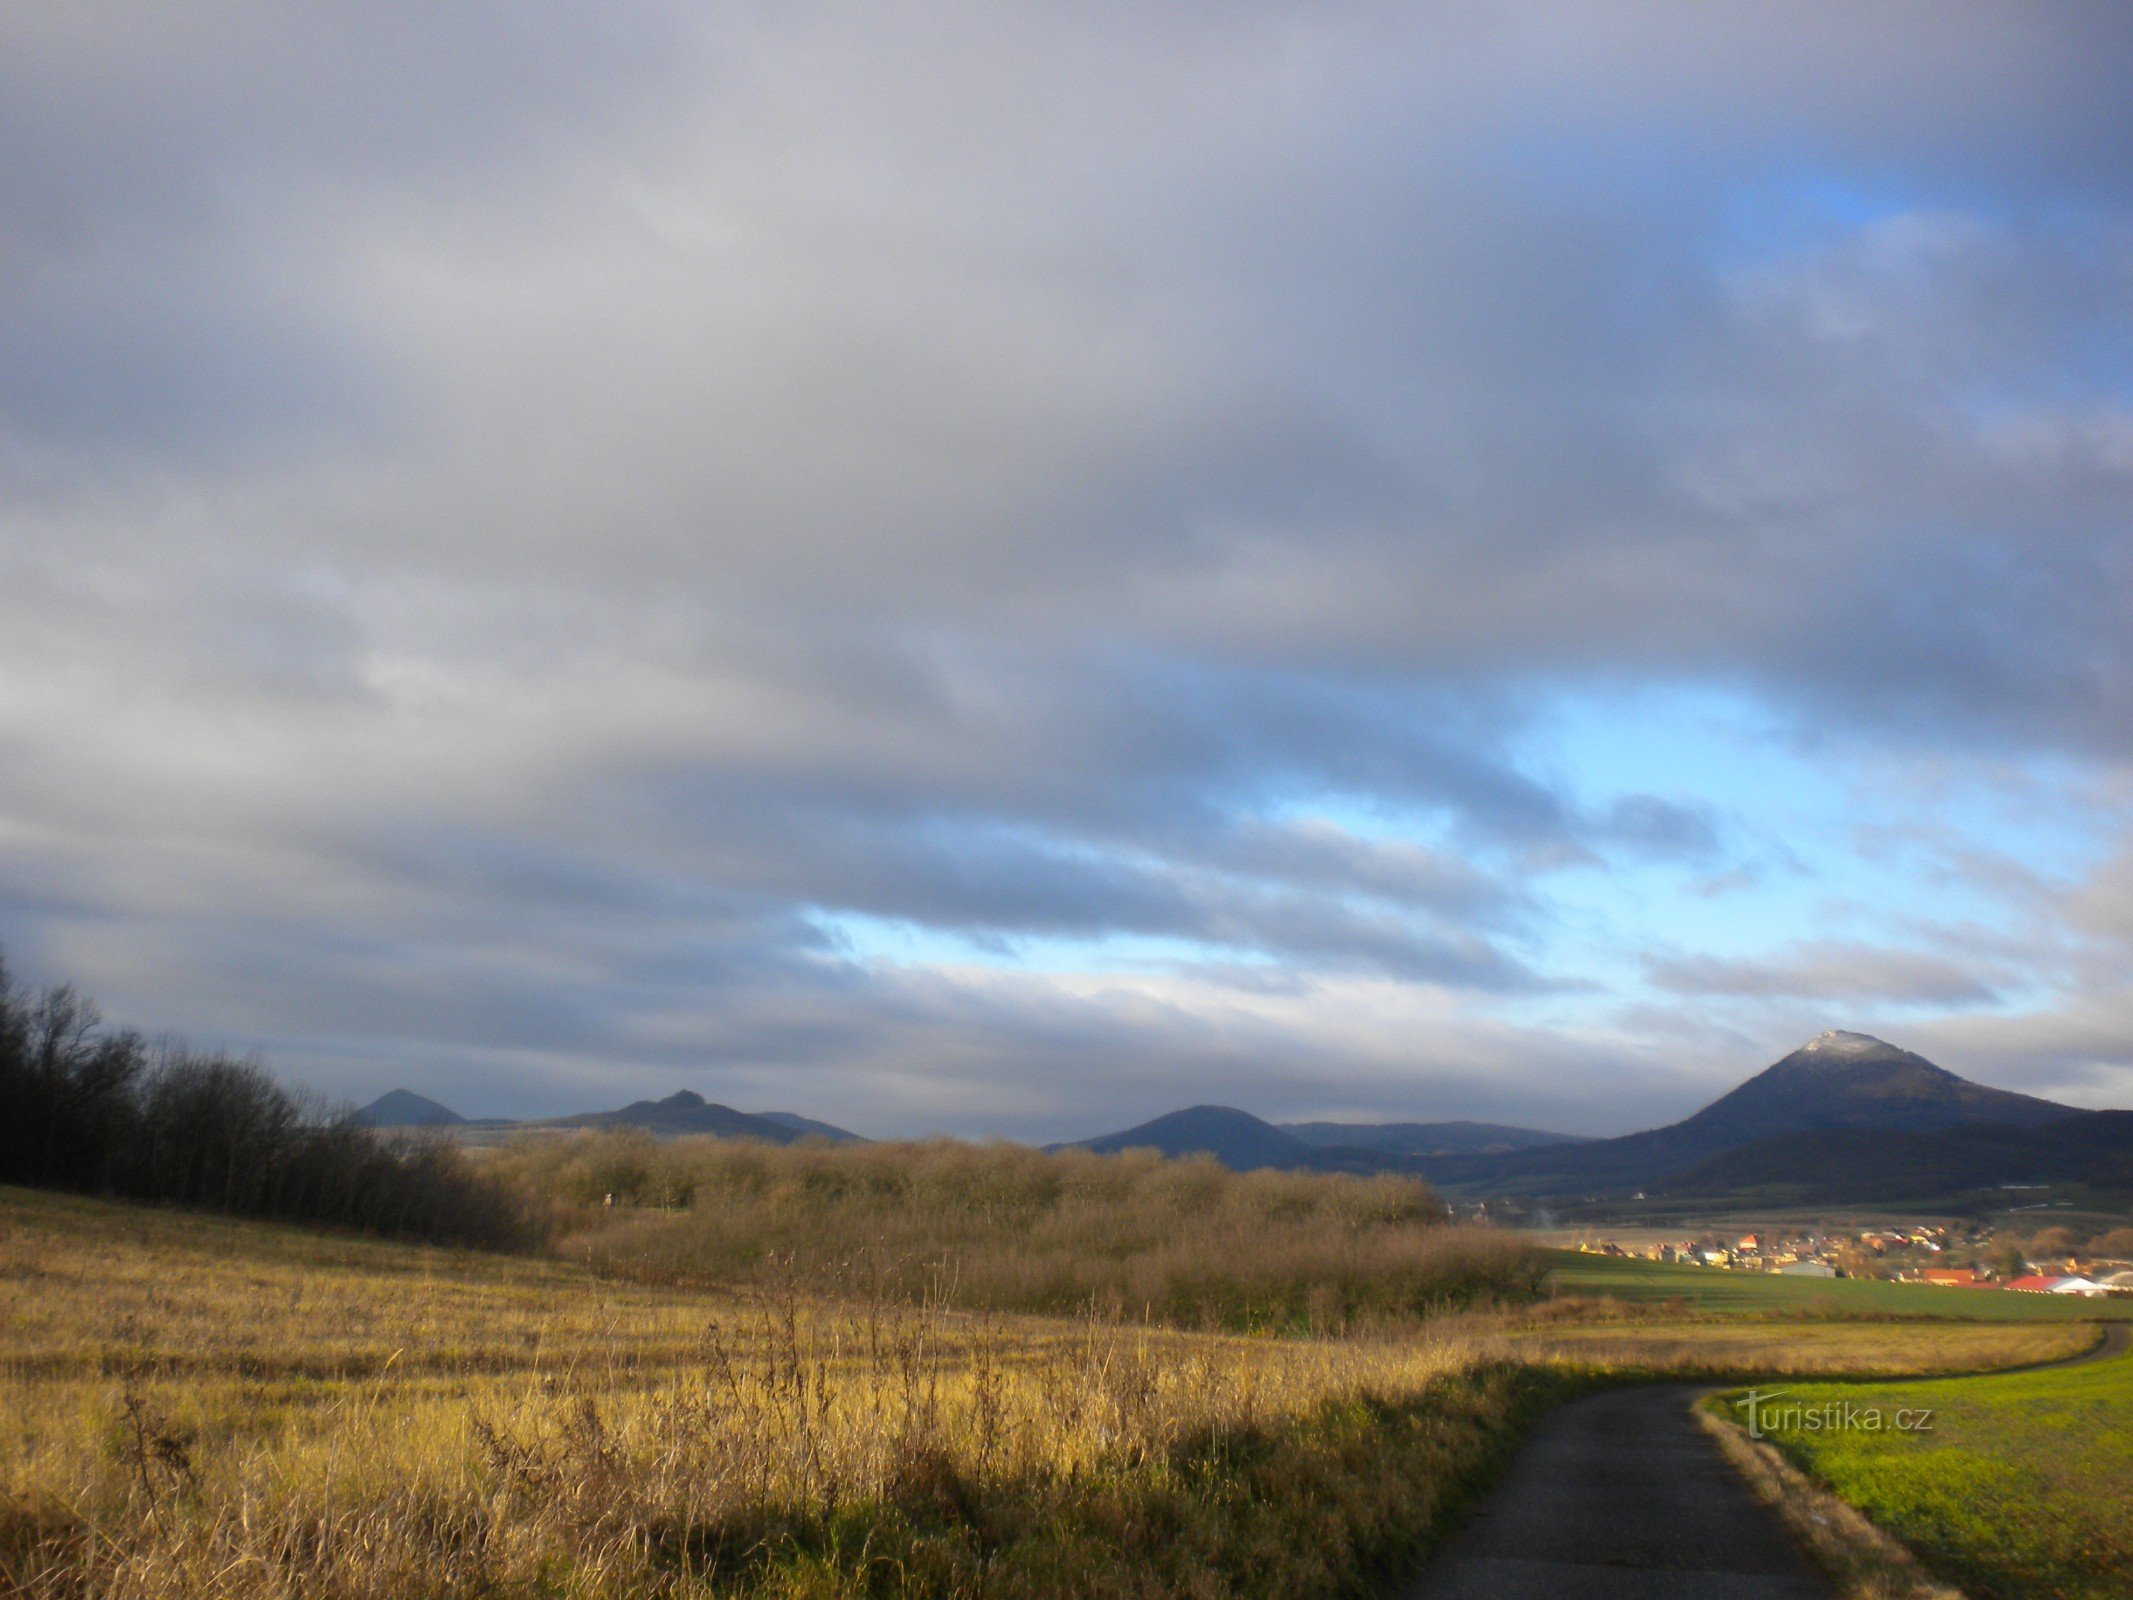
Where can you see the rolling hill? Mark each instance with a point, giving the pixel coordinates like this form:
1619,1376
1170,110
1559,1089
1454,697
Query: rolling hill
1235,1138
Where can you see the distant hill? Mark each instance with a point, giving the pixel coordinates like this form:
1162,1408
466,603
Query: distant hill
403,1108
1426,1138
1836,1081
1244,1143
685,1111
1235,1138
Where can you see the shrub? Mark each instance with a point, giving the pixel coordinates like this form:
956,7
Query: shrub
1003,1227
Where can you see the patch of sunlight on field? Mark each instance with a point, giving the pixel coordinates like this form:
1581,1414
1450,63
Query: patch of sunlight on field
99,1286
2021,1486
1736,1345
1713,1290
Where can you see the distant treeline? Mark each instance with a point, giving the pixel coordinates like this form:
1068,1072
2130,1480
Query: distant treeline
103,1111
1004,1228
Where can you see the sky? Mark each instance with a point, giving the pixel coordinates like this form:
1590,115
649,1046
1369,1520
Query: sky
1003,570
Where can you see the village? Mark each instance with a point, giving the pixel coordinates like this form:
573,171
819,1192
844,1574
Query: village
1952,1257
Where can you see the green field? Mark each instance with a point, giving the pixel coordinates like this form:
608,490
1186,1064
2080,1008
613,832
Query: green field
2021,1486
1712,1291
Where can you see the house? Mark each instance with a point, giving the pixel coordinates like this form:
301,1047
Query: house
1953,1277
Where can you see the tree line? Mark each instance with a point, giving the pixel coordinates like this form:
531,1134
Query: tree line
102,1110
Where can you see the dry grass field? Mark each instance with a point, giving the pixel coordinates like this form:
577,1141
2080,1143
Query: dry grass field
200,1406
206,1407
1719,1349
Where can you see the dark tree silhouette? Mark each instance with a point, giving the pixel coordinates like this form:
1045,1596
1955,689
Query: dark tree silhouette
98,1110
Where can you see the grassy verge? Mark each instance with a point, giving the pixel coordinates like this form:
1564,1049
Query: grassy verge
1861,1561
2017,1485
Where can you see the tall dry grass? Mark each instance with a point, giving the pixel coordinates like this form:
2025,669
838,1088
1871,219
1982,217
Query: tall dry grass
786,1446
1001,1227
205,1407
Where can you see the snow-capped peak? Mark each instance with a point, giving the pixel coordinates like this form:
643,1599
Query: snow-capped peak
1839,1042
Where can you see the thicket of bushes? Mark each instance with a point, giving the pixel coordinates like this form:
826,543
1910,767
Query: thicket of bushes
100,1110
1003,1227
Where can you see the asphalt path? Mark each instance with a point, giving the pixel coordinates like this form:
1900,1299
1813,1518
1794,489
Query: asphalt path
1622,1496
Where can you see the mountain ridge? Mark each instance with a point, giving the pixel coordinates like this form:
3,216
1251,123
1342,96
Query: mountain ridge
1427,1138
683,1112
1859,1166
1837,1083
1235,1138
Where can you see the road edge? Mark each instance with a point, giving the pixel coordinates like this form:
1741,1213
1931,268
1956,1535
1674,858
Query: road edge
1864,1562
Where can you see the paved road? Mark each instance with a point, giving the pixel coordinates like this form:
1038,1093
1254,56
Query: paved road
1623,1497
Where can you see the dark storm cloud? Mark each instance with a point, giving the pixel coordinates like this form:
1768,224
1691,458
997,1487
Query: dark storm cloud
512,518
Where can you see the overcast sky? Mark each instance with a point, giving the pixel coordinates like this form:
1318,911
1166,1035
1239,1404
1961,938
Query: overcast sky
1005,569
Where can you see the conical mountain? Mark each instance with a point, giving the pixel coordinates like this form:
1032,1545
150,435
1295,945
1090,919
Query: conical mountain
1836,1080
1854,1080
403,1108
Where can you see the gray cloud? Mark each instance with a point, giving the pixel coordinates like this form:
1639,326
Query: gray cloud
514,517
1831,972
